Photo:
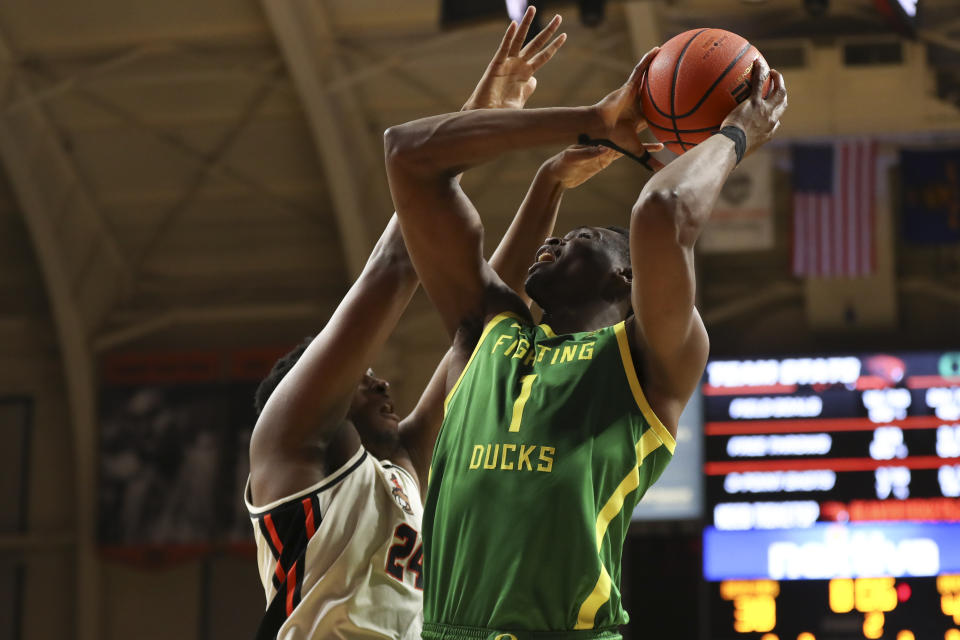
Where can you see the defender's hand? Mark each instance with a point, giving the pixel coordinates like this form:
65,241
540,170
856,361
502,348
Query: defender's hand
759,117
508,80
620,115
578,163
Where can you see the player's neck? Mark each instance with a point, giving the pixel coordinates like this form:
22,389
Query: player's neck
384,448
584,317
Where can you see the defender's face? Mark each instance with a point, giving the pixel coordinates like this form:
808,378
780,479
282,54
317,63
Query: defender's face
371,409
575,266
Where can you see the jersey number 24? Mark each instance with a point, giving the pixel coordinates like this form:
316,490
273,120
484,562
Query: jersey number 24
404,551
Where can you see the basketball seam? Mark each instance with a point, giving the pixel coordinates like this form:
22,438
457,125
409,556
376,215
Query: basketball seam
652,102
673,86
650,93
656,126
743,52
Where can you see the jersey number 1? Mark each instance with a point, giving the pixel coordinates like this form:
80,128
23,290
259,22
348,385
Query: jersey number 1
402,550
526,383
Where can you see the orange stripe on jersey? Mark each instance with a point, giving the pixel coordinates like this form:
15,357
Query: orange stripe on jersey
308,513
272,530
291,587
275,539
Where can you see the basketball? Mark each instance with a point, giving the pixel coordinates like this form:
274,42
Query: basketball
695,81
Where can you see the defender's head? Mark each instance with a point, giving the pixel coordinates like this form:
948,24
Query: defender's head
586,266
371,408
372,412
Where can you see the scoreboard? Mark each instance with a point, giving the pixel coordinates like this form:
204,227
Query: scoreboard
833,497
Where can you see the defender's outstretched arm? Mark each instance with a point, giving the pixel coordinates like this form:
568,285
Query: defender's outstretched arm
305,413
665,223
289,446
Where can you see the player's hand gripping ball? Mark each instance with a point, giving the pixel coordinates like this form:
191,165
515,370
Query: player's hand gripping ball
695,81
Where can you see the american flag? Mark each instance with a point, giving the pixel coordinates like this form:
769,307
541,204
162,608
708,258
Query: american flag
833,209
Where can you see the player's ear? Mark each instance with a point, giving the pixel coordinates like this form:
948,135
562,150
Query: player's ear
619,283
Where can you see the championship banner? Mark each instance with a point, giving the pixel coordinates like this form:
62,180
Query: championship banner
742,219
931,196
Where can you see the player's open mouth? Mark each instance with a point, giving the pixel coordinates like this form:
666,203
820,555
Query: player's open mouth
546,253
386,411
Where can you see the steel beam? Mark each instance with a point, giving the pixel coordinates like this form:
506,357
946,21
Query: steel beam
643,24
353,167
27,143
135,329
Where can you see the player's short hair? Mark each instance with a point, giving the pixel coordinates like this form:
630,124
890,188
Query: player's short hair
280,369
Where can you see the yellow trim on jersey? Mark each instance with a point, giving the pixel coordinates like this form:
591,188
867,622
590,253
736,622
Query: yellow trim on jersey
600,594
615,504
624,344
490,325
648,443
547,329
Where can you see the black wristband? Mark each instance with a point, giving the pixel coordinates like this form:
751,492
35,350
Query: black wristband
739,139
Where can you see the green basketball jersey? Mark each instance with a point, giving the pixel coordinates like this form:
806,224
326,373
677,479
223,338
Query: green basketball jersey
547,445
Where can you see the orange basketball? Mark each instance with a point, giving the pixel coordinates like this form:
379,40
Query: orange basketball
695,81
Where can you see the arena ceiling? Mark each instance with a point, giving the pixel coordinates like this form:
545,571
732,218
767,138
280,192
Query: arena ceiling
211,172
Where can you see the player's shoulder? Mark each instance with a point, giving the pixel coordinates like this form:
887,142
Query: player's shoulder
390,469
351,470
499,302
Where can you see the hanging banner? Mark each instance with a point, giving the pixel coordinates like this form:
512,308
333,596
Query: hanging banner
931,196
742,219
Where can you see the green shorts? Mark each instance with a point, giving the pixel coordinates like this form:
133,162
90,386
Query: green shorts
433,631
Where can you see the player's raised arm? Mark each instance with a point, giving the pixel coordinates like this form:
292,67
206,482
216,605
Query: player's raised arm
440,225
442,220
666,221
304,414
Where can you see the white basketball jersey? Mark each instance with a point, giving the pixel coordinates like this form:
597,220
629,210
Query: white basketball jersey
342,559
